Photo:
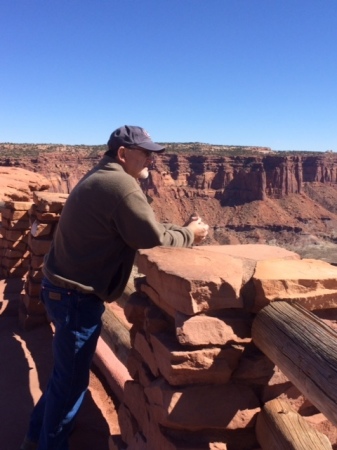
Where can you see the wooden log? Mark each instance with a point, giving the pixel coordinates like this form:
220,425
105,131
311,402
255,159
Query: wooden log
305,350
129,289
116,335
280,427
115,327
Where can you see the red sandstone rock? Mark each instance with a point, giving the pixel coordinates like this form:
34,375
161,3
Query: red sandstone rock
49,202
157,299
202,329
144,349
255,252
217,407
311,283
18,184
192,281
136,402
181,366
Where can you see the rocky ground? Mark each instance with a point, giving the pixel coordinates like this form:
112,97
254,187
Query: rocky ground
25,361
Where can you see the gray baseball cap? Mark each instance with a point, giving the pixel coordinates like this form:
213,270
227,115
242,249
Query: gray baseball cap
129,136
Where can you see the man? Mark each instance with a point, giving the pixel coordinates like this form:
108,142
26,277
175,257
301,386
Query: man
105,220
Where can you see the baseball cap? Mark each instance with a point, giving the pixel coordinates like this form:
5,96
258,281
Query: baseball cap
129,136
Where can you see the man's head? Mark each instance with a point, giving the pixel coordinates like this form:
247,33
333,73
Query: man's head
131,136
133,149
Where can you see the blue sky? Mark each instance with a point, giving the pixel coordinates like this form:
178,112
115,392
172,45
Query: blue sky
232,72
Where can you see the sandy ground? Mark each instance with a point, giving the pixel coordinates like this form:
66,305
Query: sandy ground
25,363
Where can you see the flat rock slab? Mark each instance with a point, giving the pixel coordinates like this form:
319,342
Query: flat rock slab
310,282
191,281
217,407
229,325
19,184
255,252
181,366
50,201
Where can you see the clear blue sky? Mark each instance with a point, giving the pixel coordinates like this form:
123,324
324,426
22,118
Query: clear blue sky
232,72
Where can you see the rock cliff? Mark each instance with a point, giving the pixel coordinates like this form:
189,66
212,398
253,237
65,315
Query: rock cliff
247,195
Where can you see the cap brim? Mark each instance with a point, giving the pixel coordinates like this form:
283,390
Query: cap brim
151,146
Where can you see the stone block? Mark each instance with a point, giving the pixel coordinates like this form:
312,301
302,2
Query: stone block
32,288
35,275
217,329
14,253
14,272
309,282
157,300
254,252
138,370
142,346
49,201
181,366
127,424
16,224
15,235
39,229
11,214
44,217
39,246
136,402
156,321
36,262
18,206
29,321
254,367
192,281
212,407
14,263
135,307
33,305
18,246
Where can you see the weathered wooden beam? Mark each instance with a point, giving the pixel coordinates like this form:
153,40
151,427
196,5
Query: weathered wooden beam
115,334
115,328
280,427
305,350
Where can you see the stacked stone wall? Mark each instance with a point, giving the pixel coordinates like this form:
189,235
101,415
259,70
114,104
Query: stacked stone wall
198,380
14,251
27,230
44,215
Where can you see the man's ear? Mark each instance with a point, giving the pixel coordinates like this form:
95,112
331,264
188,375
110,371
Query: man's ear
121,152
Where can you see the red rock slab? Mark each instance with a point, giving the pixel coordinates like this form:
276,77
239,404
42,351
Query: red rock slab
191,281
49,201
19,184
255,252
213,407
227,326
309,282
181,366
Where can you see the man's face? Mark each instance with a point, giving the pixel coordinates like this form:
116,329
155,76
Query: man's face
137,162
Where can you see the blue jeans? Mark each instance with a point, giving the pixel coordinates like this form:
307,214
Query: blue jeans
77,320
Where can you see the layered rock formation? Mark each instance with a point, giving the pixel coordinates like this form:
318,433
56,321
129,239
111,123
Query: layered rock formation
19,184
247,196
197,378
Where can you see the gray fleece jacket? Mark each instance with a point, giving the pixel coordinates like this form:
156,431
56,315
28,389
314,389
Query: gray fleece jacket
105,219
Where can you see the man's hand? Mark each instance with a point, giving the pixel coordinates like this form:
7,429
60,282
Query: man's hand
199,228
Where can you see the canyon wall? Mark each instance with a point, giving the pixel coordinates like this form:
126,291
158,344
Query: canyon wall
246,196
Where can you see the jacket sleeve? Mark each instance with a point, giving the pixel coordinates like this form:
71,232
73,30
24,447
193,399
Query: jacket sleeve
135,221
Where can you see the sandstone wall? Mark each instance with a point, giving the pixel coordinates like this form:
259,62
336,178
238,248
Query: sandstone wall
252,197
198,381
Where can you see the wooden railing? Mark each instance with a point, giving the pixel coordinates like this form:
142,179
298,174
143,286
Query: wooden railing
305,350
